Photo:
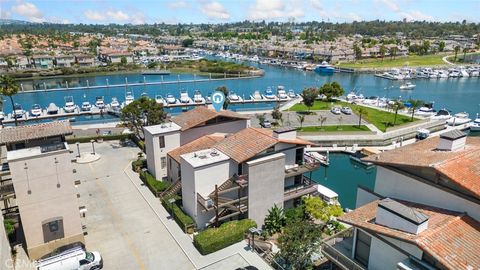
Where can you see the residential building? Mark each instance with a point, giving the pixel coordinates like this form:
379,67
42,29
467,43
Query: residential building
65,60
424,210
184,128
43,61
116,57
39,165
243,175
85,60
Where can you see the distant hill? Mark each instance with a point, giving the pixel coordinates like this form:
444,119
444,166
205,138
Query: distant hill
10,21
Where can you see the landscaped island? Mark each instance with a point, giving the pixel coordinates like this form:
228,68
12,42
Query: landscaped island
214,67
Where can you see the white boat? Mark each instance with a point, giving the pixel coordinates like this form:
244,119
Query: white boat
86,106
114,104
18,111
197,97
269,93
184,98
52,108
69,105
407,86
160,100
442,114
329,196
281,93
425,111
233,96
256,95
463,72
2,116
459,119
476,124
291,93
442,74
129,98
171,99
36,110
99,103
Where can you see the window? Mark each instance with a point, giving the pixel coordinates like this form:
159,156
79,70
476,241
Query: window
362,250
161,141
163,161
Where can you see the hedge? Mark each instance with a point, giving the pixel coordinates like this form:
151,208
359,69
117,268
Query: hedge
183,220
153,184
139,164
72,140
227,234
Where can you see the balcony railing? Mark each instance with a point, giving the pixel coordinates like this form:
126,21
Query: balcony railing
6,187
338,248
291,171
307,186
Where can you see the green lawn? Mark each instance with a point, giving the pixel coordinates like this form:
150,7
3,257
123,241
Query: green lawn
333,128
381,119
411,61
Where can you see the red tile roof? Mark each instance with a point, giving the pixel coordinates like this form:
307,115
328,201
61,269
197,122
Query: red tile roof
201,143
200,115
36,131
452,238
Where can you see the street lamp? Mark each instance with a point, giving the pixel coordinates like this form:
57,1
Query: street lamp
78,148
253,231
93,146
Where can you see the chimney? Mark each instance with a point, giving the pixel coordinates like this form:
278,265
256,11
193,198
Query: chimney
395,215
285,133
453,140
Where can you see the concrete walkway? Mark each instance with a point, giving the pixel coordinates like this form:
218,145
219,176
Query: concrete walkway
446,61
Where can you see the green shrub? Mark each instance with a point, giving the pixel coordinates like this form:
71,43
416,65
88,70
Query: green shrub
227,234
153,184
183,220
139,164
9,226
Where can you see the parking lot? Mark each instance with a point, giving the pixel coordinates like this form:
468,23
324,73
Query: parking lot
119,222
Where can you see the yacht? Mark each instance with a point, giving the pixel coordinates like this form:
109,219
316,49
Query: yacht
282,94
459,119
476,124
256,95
114,104
442,114
18,111
171,99
464,72
443,74
184,98
129,98
197,97
425,111
232,96
86,106
52,108
160,100
291,93
455,74
269,93
2,116
99,103
69,105
407,86
36,110
324,68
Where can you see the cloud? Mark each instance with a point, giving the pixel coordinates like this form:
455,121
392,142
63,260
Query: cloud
29,11
178,5
275,9
117,15
389,4
94,15
415,15
114,15
58,20
317,5
214,10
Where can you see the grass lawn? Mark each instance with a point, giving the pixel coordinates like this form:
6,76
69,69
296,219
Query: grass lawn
333,128
411,61
381,119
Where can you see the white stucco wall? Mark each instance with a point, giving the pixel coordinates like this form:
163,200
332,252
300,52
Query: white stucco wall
226,127
364,197
382,256
392,184
386,218
155,153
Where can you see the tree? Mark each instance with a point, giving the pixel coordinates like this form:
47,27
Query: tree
277,114
415,103
322,120
299,241
330,90
441,46
225,91
123,60
396,106
361,112
9,87
187,42
465,50
301,119
456,49
275,220
425,46
142,112
382,51
319,209
358,51
393,52
309,95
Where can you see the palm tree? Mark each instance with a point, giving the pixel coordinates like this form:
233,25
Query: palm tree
9,88
301,119
361,112
275,220
456,49
322,120
397,105
416,103
465,50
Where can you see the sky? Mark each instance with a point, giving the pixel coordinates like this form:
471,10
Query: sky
222,11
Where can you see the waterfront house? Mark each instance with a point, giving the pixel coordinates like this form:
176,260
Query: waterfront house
85,60
243,175
64,60
43,61
116,57
434,181
184,128
39,171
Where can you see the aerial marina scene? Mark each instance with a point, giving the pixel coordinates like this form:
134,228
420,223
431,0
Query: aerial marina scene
256,134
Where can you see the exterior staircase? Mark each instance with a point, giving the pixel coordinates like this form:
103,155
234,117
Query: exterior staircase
172,190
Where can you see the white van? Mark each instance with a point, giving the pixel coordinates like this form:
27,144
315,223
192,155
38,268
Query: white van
72,259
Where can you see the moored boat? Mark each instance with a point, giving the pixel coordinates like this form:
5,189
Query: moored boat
36,110
114,104
324,68
476,124
459,119
407,86
69,105
99,103
52,108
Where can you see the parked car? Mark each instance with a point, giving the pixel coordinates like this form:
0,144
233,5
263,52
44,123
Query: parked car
266,124
346,110
336,110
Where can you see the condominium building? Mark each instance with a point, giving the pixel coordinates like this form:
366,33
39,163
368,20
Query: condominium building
423,213
39,165
243,174
184,128
65,60
43,61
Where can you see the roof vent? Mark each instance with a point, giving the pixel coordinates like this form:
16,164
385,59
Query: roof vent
398,216
453,140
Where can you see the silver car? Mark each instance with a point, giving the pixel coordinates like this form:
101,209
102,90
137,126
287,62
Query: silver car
346,110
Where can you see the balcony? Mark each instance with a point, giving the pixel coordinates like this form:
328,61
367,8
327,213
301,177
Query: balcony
6,188
338,249
307,186
294,170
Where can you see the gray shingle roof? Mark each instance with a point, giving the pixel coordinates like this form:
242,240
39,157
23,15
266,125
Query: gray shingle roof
402,210
453,134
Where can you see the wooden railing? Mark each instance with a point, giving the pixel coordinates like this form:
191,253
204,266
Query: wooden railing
337,257
307,186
